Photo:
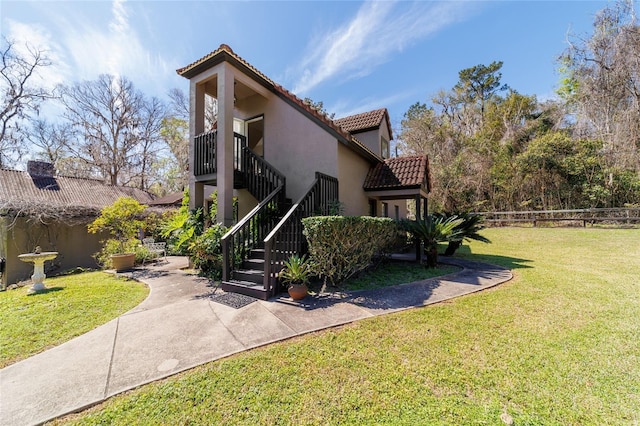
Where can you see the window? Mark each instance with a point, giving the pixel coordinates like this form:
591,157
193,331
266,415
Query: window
397,208
372,208
384,147
385,210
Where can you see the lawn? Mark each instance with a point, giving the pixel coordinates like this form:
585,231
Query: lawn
72,305
559,344
390,273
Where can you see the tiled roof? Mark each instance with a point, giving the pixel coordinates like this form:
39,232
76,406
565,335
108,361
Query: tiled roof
399,173
18,190
362,122
224,52
173,199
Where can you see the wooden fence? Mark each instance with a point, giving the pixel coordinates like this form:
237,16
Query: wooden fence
582,217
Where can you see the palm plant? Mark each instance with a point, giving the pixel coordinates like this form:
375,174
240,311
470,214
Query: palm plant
468,230
432,230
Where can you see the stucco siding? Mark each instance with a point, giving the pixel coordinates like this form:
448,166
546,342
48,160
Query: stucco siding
293,144
74,244
371,139
352,170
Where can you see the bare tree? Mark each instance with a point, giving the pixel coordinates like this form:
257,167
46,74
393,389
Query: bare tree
175,133
179,107
118,129
20,97
51,139
602,83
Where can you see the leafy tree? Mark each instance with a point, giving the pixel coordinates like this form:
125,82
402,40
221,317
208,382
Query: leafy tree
318,106
478,84
175,133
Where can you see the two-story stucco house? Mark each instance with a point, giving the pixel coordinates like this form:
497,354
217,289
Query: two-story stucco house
282,160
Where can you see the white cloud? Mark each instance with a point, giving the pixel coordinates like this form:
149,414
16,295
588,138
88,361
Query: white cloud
378,30
28,39
82,46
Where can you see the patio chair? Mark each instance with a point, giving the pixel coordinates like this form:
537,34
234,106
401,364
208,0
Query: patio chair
154,249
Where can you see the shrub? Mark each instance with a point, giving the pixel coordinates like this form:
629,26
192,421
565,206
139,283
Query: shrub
206,251
341,246
182,228
121,219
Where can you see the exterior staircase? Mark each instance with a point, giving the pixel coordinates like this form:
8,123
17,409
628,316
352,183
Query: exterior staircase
248,278
255,249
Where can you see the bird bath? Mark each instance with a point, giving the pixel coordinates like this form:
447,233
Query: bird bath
38,260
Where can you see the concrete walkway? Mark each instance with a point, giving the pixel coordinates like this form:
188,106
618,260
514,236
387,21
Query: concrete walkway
180,325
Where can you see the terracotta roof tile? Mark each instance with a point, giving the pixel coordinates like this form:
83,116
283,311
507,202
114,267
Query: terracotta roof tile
19,189
364,121
189,70
398,173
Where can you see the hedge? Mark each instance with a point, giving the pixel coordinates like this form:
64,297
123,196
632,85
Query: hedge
341,246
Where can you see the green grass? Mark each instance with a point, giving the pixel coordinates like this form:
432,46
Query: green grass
392,273
557,345
72,305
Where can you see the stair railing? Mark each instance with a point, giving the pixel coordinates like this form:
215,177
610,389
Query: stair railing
268,186
287,238
260,177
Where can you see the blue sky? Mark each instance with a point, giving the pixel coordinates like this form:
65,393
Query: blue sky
354,56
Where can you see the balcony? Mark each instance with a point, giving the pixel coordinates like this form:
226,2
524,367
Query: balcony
205,153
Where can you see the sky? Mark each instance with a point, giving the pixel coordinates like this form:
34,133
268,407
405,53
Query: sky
353,56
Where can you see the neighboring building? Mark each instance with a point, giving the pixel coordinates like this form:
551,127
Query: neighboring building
170,200
283,160
38,208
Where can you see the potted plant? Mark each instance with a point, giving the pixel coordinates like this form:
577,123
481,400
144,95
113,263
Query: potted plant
121,220
295,275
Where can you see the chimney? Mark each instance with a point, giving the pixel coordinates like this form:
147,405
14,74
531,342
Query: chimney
40,169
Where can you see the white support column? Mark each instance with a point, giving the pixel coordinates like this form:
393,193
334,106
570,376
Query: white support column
196,126
225,145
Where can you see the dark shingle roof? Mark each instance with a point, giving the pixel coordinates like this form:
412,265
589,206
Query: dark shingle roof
19,190
399,173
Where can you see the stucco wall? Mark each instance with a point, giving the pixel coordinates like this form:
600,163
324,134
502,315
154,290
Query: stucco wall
391,205
293,144
74,244
352,170
371,139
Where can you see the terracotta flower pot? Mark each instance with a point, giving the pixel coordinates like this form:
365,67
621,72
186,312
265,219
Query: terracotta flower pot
298,291
123,262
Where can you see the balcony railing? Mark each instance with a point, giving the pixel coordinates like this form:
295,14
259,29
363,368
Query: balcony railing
205,152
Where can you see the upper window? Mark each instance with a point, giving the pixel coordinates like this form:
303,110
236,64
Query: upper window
384,147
